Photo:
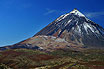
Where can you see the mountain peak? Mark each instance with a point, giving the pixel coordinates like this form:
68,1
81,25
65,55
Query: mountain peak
75,27
76,12
71,30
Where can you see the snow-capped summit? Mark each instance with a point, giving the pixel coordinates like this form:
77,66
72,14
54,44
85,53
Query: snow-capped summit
76,12
75,27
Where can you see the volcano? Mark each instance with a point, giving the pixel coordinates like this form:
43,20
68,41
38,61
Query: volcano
72,30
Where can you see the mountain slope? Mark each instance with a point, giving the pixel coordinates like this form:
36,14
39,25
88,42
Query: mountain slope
70,31
75,27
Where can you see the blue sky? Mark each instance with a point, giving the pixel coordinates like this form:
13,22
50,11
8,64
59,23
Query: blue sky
21,19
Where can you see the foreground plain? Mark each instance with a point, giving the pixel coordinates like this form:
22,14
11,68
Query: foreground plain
59,59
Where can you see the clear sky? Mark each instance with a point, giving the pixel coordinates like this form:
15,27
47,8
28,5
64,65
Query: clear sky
21,19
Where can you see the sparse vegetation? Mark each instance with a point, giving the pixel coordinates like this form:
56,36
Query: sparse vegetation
3,66
59,59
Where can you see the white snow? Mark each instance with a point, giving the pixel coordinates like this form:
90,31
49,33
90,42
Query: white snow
43,36
68,22
53,37
59,31
79,29
76,12
92,28
65,15
60,40
72,28
62,17
86,26
41,48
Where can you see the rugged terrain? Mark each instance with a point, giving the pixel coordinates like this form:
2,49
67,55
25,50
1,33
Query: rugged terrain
59,59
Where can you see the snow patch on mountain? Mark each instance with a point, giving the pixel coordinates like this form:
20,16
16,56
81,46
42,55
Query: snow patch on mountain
60,40
76,12
62,17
